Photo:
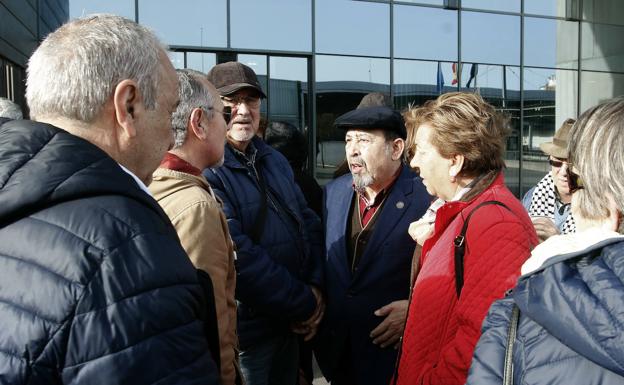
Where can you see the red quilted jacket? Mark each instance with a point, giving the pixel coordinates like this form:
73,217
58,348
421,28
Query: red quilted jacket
441,332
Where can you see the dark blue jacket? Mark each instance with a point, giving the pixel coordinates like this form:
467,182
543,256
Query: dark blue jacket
273,277
382,276
94,285
571,328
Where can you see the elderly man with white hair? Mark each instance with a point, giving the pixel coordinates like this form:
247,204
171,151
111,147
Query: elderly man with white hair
95,287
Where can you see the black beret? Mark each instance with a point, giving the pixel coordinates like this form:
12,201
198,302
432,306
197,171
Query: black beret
373,118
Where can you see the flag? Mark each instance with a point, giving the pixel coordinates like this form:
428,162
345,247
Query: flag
474,70
440,79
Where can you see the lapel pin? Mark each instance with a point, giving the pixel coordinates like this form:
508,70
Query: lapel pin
400,205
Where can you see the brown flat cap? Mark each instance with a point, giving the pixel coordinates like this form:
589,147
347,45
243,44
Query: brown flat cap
233,76
559,145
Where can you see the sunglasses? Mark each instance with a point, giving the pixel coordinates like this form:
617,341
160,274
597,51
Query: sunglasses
556,163
575,182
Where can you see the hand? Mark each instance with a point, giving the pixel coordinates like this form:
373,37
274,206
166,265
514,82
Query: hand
544,227
309,327
420,231
390,330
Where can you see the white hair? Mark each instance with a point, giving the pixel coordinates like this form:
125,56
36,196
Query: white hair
193,94
75,70
10,110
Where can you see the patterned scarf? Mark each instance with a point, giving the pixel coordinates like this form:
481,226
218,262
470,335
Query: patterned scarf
543,203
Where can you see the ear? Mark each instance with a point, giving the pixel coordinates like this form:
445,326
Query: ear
195,125
126,101
398,146
457,162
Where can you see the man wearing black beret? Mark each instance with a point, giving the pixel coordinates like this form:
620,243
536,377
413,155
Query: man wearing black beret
369,251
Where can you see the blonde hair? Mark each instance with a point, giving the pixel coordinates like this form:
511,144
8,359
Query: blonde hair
463,124
595,151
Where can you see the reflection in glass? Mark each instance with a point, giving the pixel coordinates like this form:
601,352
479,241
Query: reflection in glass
602,47
80,8
425,33
596,87
177,59
550,43
278,24
415,82
185,22
603,11
493,5
200,61
341,82
352,27
490,38
258,63
549,99
289,90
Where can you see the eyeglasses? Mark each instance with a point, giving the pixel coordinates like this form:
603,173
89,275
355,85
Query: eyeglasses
557,163
226,112
250,101
574,181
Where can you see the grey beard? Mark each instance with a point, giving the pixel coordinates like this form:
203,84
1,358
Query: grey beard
362,181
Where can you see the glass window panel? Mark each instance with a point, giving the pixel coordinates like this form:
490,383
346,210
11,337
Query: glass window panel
489,38
597,87
550,97
604,11
289,90
493,5
432,2
278,24
258,63
545,7
352,27
415,82
602,47
550,43
200,61
439,26
177,59
185,22
341,82
79,8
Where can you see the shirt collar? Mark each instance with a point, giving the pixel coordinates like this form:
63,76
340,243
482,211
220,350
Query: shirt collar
382,194
136,179
175,163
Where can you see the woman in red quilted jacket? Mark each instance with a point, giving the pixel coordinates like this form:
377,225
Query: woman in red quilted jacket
458,144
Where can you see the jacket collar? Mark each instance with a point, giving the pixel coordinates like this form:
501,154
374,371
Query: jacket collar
231,160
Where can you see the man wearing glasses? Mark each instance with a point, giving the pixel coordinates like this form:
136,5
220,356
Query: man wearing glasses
548,203
278,238
199,125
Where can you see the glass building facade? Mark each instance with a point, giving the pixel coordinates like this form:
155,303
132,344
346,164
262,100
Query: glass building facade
539,61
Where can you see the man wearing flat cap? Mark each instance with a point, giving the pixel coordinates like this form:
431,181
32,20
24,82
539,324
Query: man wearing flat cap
369,251
278,238
548,203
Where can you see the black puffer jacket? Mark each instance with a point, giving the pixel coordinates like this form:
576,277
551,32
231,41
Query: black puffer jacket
94,285
571,325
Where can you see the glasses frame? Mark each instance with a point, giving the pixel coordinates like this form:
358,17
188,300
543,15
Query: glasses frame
250,101
226,112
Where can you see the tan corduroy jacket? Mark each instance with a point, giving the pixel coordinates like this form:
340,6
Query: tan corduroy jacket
196,214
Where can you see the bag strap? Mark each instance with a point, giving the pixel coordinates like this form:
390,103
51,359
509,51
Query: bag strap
460,246
511,339
258,226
